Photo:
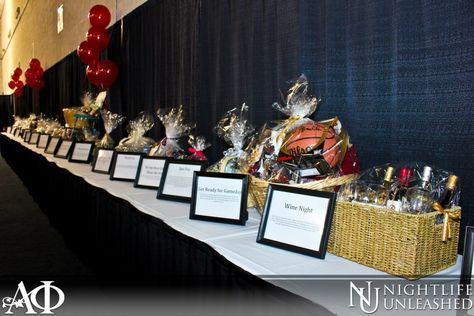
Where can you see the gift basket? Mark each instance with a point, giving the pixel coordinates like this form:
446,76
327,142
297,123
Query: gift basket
298,151
403,219
176,128
76,117
111,122
234,128
136,141
197,146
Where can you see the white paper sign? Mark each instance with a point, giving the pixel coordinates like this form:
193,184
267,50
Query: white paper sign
296,220
64,148
104,158
81,151
179,179
43,141
218,197
52,144
9,129
34,138
27,135
126,166
150,172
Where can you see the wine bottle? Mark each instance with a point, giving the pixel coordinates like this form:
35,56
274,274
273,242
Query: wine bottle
418,198
395,200
383,190
446,200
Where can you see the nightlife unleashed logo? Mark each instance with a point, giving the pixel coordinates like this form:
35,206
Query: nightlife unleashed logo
28,302
410,297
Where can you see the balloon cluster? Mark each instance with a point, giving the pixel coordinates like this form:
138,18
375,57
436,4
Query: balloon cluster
100,73
34,74
16,84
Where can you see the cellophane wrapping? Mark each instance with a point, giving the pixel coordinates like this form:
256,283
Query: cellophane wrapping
234,128
176,128
111,122
136,142
197,146
364,188
297,149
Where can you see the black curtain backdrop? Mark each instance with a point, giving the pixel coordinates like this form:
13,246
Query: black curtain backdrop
398,74
6,111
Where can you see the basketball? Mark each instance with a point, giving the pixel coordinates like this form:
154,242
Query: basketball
306,139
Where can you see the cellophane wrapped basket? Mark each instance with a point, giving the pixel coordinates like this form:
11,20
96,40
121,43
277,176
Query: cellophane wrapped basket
298,151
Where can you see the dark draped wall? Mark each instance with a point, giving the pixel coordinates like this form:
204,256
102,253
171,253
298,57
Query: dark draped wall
399,74
247,50
156,49
6,111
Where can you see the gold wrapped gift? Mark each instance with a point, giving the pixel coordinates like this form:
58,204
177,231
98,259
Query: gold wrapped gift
72,121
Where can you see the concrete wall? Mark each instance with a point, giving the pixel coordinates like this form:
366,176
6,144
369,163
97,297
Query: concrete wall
28,28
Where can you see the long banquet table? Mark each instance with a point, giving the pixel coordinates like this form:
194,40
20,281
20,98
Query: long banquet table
121,230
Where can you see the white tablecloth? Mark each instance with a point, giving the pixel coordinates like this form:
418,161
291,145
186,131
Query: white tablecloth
236,243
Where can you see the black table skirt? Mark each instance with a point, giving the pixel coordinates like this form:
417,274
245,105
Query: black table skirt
121,244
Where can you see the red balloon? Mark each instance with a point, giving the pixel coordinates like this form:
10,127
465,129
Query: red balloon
108,73
99,16
18,71
30,82
98,38
92,72
87,54
15,77
20,84
19,92
38,72
34,63
39,83
12,84
29,73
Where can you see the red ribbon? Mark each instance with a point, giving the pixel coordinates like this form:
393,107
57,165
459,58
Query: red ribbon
196,152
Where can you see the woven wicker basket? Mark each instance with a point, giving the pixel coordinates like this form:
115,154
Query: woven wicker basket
258,187
401,244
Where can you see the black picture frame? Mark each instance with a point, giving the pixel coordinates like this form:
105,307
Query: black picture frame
34,137
58,152
164,178
17,132
137,183
90,146
468,256
41,140
52,145
26,136
320,252
242,209
113,175
96,157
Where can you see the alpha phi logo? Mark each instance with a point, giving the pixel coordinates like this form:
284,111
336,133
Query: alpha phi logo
22,299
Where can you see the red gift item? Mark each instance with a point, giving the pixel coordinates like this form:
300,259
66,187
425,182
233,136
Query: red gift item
350,164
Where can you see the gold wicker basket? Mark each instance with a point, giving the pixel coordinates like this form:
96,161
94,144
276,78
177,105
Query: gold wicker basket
401,244
258,187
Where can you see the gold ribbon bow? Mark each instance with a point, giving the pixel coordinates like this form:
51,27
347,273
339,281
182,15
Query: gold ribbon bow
449,215
288,123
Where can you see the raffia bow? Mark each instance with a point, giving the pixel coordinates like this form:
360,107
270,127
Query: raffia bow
449,215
